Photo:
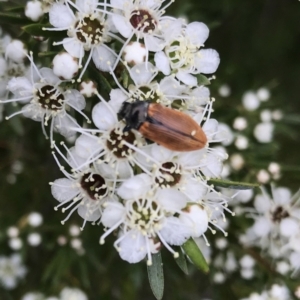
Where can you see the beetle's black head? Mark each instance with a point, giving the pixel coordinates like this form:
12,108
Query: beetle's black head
134,114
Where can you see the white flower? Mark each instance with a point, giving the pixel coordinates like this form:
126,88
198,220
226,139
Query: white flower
240,123
65,66
241,142
279,292
34,239
148,217
250,101
109,146
224,90
142,19
11,271
277,221
263,94
72,294
33,296
84,189
35,219
47,100
135,53
34,10
16,51
263,132
182,54
88,30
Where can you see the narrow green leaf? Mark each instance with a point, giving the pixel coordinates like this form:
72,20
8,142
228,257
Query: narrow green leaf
13,18
100,79
233,184
202,80
19,9
37,30
47,54
125,79
181,260
192,250
156,276
292,119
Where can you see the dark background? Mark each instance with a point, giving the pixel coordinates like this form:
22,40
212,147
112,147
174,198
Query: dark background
258,42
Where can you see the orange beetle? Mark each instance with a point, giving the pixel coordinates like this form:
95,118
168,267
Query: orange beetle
167,127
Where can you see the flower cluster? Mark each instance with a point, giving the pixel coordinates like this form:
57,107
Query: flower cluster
66,293
11,271
150,195
276,228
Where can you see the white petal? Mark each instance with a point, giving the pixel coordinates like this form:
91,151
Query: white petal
210,127
161,154
202,94
162,62
153,43
224,134
64,189
61,16
289,227
171,28
74,159
118,3
103,117
64,124
262,226
132,247
193,189
73,47
75,98
134,187
212,166
174,232
103,58
207,61
197,33
262,204
186,78
196,219
192,158
171,199
282,196
87,214
142,73
124,169
87,7
49,76
33,112
117,97
85,146
112,214
20,86
169,85
122,25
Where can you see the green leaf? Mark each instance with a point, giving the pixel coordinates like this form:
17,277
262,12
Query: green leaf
125,79
233,184
202,80
292,119
13,18
156,276
47,54
181,260
101,80
192,250
37,30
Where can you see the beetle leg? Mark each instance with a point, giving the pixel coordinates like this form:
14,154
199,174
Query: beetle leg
126,128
